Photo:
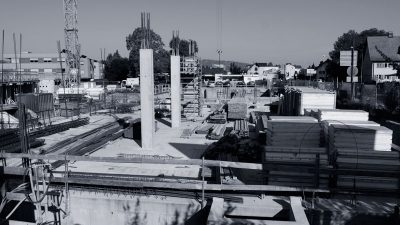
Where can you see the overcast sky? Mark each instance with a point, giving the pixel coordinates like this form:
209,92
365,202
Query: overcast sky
297,31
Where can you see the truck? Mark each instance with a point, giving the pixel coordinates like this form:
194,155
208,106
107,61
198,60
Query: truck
130,82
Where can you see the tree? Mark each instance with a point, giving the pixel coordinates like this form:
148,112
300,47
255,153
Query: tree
133,44
116,67
183,46
235,69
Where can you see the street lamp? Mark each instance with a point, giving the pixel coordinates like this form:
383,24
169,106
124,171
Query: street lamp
219,51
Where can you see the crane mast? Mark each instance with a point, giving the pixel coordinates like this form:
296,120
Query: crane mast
72,46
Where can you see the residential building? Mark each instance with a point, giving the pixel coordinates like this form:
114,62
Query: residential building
380,52
291,71
47,66
260,68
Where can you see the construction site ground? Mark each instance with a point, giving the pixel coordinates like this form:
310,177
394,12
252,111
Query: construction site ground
167,143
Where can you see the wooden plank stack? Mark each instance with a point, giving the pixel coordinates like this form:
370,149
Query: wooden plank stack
204,128
241,127
293,131
237,109
291,166
296,99
217,132
217,117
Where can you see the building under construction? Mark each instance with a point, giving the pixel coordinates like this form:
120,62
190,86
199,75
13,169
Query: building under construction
231,156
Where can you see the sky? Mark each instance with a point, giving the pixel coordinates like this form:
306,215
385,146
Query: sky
280,31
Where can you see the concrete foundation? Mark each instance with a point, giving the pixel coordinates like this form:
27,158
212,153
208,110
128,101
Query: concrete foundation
175,91
147,98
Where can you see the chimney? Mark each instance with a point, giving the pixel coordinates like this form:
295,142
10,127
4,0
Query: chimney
390,34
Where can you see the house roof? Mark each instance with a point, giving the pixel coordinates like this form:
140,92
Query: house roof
389,46
261,64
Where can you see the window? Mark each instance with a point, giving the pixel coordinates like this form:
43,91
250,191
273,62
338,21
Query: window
48,70
381,65
33,60
46,59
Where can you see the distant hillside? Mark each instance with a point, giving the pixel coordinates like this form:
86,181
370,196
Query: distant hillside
226,63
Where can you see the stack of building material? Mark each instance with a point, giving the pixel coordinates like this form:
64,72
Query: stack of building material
296,99
217,117
241,127
361,137
11,142
204,128
395,127
342,114
237,109
377,162
291,166
293,131
217,132
365,147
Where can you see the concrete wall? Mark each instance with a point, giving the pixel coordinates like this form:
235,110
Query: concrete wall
102,208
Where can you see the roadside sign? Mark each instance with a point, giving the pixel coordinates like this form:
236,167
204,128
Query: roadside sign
348,79
345,58
355,71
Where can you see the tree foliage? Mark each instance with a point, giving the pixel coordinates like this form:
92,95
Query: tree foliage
183,46
116,67
133,44
235,69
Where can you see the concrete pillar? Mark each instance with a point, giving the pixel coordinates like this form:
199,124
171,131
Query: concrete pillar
175,91
147,98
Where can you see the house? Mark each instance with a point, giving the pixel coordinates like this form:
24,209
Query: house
259,68
380,52
291,71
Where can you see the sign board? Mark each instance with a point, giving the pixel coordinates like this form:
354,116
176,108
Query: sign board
345,58
355,71
348,79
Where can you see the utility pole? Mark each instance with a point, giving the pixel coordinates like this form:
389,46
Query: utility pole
352,71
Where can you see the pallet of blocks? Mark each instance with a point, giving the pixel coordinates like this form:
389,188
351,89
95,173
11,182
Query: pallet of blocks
241,127
293,131
217,132
366,148
296,99
237,109
294,167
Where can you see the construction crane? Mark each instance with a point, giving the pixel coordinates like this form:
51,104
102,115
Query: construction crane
72,46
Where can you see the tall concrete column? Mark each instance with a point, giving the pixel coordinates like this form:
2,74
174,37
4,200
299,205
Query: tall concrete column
175,91
147,98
